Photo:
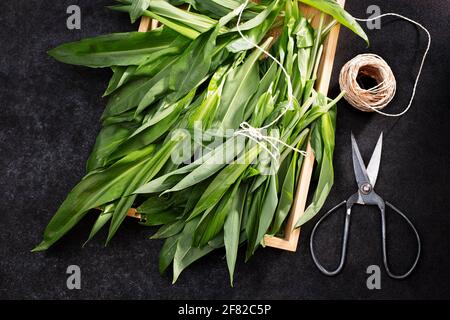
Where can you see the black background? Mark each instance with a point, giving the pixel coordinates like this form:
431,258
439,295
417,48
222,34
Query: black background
49,119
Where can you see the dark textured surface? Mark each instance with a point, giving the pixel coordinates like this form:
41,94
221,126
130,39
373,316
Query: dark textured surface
50,116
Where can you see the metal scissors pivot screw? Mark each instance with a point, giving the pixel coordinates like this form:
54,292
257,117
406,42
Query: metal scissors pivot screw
366,195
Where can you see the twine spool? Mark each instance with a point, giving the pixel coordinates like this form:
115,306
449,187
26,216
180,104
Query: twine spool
360,69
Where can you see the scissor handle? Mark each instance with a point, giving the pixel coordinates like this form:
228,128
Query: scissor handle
344,240
383,233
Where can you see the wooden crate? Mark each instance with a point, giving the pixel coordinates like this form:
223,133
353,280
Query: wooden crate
291,234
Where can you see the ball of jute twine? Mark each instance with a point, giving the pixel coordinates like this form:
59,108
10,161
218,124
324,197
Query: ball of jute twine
371,66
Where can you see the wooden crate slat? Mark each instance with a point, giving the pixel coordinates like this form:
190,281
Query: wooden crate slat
291,235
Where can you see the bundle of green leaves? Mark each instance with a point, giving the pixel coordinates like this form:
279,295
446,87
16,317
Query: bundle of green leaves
196,73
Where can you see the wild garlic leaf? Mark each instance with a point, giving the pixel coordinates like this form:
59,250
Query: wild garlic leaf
104,216
213,221
286,197
161,210
160,218
223,181
169,230
220,8
168,23
167,253
146,173
137,9
262,23
223,155
232,229
93,191
185,253
185,74
332,8
240,85
326,176
109,138
118,79
268,207
145,137
198,22
117,49
258,19
129,95
253,212
211,157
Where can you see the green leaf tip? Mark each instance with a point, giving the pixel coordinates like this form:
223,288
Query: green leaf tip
40,247
334,9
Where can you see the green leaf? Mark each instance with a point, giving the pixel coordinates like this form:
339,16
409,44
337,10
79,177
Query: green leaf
217,242
185,254
335,10
223,155
170,179
187,72
223,181
109,138
130,94
287,196
213,220
207,109
123,117
160,218
257,33
147,172
232,230
117,49
259,19
304,33
198,22
292,9
167,253
161,210
263,108
166,111
169,230
156,204
253,211
266,81
219,8
152,65
320,108
137,9
168,23
240,85
326,177
120,76
93,191
102,219
268,207
146,135
194,65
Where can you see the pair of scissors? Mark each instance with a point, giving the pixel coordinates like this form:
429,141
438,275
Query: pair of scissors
366,195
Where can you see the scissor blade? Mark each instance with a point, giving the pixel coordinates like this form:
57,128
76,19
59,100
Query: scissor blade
374,163
358,164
